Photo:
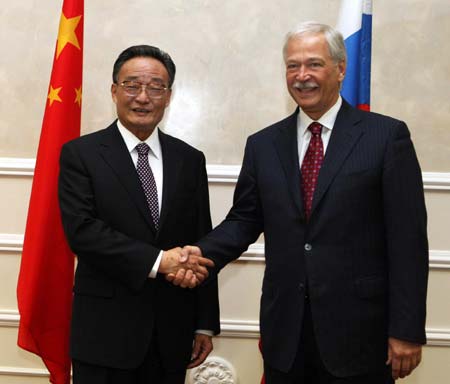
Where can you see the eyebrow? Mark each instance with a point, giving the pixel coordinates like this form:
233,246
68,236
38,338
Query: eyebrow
152,80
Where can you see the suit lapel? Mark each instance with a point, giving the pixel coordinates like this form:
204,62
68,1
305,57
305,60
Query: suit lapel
115,153
287,149
346,132
172,164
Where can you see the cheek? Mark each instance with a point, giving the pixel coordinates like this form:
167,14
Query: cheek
290,79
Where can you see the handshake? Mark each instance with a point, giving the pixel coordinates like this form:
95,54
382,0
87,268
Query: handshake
185,267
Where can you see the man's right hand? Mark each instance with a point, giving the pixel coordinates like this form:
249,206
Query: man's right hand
185,267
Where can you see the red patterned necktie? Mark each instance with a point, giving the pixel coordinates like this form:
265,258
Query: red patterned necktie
148,181
311,166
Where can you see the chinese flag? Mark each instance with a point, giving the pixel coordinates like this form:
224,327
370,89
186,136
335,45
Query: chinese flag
44,290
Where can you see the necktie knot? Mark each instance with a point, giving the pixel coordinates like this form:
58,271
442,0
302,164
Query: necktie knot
142,149
315,128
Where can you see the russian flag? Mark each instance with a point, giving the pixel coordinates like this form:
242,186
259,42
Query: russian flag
355,24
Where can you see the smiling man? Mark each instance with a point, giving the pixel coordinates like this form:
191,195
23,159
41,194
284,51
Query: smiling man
338,194
129,194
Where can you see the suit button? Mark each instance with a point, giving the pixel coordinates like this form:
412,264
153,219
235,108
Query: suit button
301,287
308,247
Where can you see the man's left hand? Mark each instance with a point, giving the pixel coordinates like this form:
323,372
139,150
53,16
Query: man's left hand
202,347
403,356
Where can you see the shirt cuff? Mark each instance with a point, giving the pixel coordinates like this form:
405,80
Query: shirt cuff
206,332
155,268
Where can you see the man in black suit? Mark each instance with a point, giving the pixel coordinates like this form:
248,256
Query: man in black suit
128,195
342,209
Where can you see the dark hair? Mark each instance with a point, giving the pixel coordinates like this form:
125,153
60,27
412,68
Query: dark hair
145,51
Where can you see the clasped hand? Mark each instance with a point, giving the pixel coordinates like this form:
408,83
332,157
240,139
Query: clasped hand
185,267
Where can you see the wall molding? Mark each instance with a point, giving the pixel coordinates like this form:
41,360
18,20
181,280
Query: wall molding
16,166
228,174
23,372
439,259
10,242
240,329
243,329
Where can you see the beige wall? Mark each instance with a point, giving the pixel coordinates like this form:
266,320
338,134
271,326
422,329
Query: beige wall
229,84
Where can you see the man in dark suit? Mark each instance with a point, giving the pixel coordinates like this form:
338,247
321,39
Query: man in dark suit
338,194
128,195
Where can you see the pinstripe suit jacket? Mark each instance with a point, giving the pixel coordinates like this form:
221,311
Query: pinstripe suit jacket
117,309
363,255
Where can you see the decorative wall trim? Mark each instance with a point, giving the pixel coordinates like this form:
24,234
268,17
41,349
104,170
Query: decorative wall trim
440,260
11,242
9,318
15,166
242,329
438,337
23,372
217,173
223,173
255,253
214,370
436,181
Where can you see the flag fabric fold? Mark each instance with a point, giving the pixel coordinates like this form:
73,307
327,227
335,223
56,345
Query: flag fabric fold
44,289
355,24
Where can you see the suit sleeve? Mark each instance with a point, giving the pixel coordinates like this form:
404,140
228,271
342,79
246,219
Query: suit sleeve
95,242
244,222
207,293
406,238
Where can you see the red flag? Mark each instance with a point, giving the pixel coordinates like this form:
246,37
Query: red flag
44,289
263,379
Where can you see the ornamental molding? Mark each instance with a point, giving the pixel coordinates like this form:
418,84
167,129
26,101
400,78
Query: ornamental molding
15,166
217,173
215,370
242,329
13,243
23,372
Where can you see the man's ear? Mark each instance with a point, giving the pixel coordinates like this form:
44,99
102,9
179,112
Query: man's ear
342,67
168,97
113,92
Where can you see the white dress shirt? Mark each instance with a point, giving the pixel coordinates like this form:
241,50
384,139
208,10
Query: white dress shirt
304,134
156,163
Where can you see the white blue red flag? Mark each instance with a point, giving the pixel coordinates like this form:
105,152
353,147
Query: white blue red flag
355,24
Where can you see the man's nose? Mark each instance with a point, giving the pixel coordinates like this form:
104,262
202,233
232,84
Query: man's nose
302,73
142,96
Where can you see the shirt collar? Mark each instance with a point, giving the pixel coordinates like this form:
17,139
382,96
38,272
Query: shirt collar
131,140
327,119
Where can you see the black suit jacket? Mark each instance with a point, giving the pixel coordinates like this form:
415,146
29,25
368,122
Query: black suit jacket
363,255
117,309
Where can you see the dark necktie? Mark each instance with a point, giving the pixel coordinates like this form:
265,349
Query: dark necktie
148,181
311,166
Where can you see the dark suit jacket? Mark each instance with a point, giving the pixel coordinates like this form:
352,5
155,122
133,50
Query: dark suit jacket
363,256
117,309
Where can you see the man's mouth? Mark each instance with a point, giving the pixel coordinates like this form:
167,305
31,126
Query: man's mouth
141,110
305,87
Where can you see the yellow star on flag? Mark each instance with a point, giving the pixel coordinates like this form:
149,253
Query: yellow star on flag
66,33
53,95
78,96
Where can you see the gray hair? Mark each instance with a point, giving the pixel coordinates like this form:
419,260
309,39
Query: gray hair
333,37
